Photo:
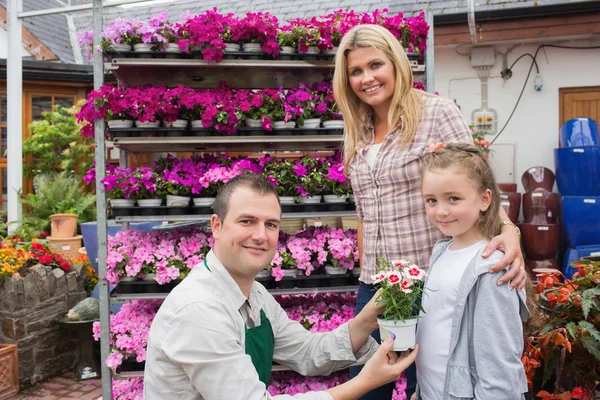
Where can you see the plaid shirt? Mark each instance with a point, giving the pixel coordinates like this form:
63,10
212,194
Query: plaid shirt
388,196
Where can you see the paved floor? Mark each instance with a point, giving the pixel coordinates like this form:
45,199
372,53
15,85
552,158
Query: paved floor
62,388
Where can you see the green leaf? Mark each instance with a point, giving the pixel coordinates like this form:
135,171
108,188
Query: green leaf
591,329
592,346
571,327
588,302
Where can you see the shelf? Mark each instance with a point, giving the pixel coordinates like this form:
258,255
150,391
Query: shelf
230,143
206,217
245,74
122,298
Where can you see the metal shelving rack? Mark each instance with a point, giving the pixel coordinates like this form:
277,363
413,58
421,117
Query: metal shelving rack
199,73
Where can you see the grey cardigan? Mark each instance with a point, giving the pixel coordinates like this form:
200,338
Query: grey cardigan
480,368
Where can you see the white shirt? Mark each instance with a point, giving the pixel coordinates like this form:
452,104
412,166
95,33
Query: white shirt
435,325
196,344
371,154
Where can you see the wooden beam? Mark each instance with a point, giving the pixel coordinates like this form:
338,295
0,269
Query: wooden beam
520,29
31,43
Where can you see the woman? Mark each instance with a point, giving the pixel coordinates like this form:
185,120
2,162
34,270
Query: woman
388,126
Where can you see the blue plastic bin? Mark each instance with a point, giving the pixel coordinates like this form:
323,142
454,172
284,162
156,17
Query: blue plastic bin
578,170
579,132
581,220
575,254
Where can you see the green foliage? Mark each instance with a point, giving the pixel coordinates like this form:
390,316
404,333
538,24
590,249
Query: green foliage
61,193
56,145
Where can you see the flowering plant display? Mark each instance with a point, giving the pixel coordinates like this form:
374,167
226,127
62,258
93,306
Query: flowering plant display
144,184
118,182
40,253
567,347
11,260
401,287
310,173
480,141
280,174
176,176
118,31
303,102
334,180
303,34
113,102
260,28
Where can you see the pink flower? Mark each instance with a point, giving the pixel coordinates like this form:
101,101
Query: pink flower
394,277
414,272
378,277
114,359
400,263
405,285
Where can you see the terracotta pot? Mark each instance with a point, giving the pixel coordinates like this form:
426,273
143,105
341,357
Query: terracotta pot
538,178
63,225
540,242
507,187
538,215
541,198
514,206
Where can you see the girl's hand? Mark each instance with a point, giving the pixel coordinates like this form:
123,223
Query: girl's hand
508,242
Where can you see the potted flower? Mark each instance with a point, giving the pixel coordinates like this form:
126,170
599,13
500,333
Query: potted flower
567,346
174,112
144,187
250,107
286,40
480,141
176,180
310,188
306,105
332,117
276,116
336,188
401,288
145,36
147,105
258,32
281,175
204,32
118,184
307,37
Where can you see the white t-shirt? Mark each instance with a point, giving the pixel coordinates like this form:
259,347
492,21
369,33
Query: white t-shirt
435,325
371,154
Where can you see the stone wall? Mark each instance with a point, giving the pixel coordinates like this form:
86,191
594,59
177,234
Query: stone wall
29,308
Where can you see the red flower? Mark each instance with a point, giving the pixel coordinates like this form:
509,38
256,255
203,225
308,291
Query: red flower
47,259
65,266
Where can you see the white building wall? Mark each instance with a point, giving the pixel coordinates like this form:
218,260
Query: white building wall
533,129
4,45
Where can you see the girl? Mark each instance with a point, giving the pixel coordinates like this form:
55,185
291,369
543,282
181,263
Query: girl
387,127
470,334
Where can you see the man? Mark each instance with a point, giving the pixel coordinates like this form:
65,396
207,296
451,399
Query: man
218,332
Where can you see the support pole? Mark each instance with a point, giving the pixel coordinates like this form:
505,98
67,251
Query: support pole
429,54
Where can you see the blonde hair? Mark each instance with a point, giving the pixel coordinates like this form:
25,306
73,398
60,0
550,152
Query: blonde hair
406,104
472,162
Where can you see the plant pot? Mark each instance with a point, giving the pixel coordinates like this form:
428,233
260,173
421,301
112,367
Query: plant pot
351,198
541,198
122,202
232,47
142,47
331,270
178,123
265,273
9,370
404,333
333,199
290,272
311,123
63,225
287,50
313,50
119,47
253,123
178,201
150,276
280,125
335,123
507,187
128,278
147,124
538,215
332,51
252,47
310,200
120,123
203,201
540,241
149,202
514,205
172,48
287,200
538,178
197,124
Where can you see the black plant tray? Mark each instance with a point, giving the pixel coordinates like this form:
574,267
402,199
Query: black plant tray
323,207
143,286
242,131
131,365
149,211
237,55
312,281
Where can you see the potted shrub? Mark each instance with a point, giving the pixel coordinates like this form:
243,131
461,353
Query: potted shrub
143,189
280,174
118,184
336,188
401,287
176,180
306,105
310,187
567,347
258,32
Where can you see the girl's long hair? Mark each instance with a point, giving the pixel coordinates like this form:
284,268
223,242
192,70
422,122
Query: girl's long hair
406,104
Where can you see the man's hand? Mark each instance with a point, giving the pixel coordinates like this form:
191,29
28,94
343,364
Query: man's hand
385,366
508,242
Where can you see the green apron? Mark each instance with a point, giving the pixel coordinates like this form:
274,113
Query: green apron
260,343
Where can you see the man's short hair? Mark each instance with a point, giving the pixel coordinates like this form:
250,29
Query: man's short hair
256,182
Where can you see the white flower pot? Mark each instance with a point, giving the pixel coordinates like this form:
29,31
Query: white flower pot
120,123
149,202
313,50
265,273
286,200
203,201
251,47
333,199
150,276
178,123
232,47
280,125
172,48
331,270
142,47
339,124
351,198
403,333
120,47
332,51
178,201
355,272
122,202
253,123
147,124
310,200
287,50
197,124
311,123
290,272
128,278
290,124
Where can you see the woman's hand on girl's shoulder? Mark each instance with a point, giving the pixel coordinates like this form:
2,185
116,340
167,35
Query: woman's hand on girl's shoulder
508,242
